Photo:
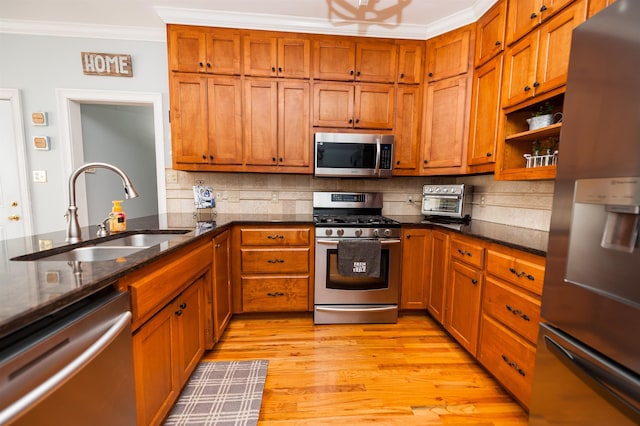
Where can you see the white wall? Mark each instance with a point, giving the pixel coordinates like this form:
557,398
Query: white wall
37,66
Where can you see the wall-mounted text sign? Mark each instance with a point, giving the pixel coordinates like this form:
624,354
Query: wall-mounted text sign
112,64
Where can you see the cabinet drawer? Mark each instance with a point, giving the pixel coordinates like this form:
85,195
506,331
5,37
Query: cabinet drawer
513,308
275,236
270,261
467,251
275,294
516,270
508,357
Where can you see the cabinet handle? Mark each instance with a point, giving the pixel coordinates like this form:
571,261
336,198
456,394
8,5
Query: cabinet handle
201,64
357,120
430,74
489,154
408,237
513,365
208,65
211,157
178,313
533,15
273,159
358,74
351,72
522,274
279,69
463,252
273,69
517,312
276,294
401,75
275,237
474,281
498,42
425,161
183,305
543,8
536,84
350,121
398,163
527,88
275,261
280,159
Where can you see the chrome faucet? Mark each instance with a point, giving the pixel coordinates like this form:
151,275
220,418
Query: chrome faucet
74,233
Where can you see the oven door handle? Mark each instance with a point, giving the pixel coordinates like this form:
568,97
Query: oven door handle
378,148
382,242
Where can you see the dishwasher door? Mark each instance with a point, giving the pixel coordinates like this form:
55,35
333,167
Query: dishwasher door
75,369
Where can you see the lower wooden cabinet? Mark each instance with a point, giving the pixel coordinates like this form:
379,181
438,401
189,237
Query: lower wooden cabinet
439,274
416,258
221,284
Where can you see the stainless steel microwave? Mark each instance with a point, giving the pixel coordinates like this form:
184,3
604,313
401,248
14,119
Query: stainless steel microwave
353,155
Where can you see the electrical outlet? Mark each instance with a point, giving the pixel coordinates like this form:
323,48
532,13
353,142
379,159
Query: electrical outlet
234,197
40,176
410,199
172,176
274,197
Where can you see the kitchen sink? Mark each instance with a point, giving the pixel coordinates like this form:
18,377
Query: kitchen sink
101,249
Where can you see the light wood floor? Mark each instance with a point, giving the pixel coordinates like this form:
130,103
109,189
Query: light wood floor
409,373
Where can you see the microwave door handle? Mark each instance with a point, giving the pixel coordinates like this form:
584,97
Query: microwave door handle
378,148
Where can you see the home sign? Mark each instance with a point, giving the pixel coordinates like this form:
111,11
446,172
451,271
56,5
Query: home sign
110,64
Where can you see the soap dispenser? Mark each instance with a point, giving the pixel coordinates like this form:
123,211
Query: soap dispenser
118,222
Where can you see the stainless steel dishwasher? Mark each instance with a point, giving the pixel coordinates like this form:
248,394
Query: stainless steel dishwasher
74,367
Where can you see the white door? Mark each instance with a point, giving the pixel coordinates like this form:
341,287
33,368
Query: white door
15,206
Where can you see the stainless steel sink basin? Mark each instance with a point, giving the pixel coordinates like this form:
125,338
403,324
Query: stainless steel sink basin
100,249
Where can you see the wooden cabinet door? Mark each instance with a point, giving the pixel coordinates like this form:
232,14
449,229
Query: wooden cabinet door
407,130
189,315
595,6
294,143
260,55
221,285
187,50
554,46
448,54
333,104
261,122
223,52
520,70
445,120
155,381
522,17
374,106
439,274
410,59
490,33
224,100
334,59
189,119
294,58
416,259
463,305
485,113
376,62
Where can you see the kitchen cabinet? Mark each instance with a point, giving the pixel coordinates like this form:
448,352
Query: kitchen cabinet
490,33
345,59
206,121
485,116
407,130
446,126
272,270
510,318
203,50
168,307
410,60
268,55
439,274
276,125
525,15
464,291
595,6
539,62
221,284
349,105
416,258
448,55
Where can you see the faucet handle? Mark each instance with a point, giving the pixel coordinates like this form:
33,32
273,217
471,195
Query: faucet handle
102,228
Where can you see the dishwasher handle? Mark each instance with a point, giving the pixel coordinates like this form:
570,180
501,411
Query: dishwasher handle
40,392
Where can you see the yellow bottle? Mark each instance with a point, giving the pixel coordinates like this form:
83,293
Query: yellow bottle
118,222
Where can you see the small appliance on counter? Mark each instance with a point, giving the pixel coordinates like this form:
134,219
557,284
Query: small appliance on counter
447,203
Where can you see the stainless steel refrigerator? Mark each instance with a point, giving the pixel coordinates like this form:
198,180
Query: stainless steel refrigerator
588,360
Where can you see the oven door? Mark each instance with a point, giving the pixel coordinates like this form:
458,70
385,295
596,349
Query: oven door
442,205
331,288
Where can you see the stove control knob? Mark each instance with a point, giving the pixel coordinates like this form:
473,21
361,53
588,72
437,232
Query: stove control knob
358,232
340,232
387,232
328,231
376,232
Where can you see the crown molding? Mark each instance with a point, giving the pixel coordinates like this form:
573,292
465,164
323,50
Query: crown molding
72,29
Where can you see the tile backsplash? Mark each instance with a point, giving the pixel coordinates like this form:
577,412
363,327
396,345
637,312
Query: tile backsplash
525,204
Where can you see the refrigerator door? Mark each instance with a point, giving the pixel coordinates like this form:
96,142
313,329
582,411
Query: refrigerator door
576,386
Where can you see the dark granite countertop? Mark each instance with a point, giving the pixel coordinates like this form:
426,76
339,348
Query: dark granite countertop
31,290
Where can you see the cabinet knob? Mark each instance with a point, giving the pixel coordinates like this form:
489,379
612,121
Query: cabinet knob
273,159
279,69
350,121
183,305
357,120
489,154
204,157
358,74
527,88
430,74
398,162
533,15
201,64
536,84
273,69
211,157
280,159
408,237
425,161
474,281
208,65
498,42
351,72
178,313
543,8
402,75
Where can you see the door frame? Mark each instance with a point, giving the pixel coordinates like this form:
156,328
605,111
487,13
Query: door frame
69,101
14,98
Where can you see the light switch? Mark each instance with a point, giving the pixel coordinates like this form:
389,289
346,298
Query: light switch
40,176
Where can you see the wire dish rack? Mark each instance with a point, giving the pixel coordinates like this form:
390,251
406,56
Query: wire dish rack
541,160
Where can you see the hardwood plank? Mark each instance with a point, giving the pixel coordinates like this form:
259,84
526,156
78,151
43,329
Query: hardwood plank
409,373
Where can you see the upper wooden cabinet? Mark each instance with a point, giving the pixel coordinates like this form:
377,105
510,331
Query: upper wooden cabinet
348,105
276,123
270,56
206,50
448,54
525,15
539,62
340,58
410,60
407,128
490,33
595,6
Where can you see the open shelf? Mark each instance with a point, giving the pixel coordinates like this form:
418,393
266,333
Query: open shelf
531,135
